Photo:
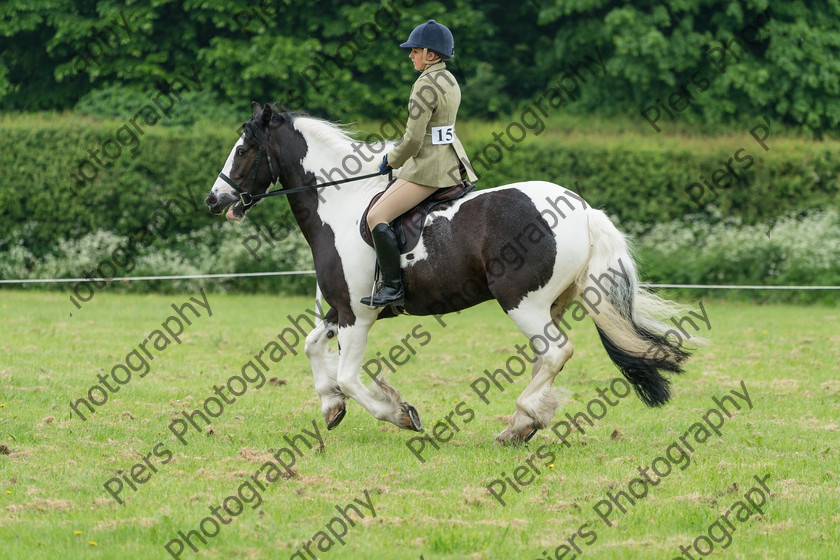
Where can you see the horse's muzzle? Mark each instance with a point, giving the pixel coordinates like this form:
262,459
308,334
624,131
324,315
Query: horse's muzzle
218,204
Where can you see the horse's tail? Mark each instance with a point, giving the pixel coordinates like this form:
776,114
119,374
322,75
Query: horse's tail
626,315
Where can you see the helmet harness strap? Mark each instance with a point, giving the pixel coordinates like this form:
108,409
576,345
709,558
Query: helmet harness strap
427,63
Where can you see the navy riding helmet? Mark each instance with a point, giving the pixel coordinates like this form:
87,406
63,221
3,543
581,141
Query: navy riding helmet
433,36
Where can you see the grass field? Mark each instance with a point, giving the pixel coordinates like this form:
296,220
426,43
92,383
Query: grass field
53,467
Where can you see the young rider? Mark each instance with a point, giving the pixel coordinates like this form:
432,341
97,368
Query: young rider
429,155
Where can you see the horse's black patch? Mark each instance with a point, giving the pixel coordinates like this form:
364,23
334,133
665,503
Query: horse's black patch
482,251
290,145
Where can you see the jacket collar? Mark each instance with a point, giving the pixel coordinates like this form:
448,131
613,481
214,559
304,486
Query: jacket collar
434,68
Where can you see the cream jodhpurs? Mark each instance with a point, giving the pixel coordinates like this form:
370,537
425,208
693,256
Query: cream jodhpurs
400,198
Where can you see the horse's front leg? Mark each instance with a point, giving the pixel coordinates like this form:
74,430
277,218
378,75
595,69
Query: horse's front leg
383,402
324,362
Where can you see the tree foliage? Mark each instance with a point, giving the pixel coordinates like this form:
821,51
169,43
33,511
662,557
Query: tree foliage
340,59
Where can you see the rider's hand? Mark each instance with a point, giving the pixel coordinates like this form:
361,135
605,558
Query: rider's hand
384,168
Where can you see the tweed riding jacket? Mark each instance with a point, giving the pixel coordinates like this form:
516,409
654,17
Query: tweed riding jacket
429,152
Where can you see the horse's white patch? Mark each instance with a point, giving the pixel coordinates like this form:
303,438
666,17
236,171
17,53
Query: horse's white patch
341,206
220,187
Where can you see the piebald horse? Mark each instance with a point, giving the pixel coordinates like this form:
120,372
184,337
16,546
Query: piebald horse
535,247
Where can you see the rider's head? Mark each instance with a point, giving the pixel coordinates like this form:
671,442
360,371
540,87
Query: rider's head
430,43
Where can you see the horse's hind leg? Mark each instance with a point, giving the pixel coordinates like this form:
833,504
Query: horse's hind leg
324,362
536,406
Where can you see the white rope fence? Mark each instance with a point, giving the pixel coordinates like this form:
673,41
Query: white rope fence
140,278
737,287
299,272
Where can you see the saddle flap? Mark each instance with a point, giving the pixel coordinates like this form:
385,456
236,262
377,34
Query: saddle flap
409,226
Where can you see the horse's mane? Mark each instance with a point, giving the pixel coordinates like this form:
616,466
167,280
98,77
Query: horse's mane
324,130
335,135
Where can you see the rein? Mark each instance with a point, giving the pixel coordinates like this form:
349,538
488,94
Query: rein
248,199
310,187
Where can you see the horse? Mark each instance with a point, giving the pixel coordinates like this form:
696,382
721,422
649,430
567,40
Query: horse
534,246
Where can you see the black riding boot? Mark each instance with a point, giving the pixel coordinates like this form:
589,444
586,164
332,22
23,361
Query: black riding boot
388,254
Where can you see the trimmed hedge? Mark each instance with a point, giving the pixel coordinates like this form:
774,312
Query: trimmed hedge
643,180
636,179
42,204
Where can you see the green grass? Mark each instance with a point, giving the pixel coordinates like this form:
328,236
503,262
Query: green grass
51,482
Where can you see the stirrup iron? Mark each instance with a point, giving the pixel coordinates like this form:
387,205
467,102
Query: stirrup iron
373,287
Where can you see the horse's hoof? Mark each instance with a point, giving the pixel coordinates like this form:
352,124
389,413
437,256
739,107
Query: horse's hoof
334,417
504,440
411,418
529,435
514,438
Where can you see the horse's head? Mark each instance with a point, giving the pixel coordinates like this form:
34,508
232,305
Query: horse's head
248,171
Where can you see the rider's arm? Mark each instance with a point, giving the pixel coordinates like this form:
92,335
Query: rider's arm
419,113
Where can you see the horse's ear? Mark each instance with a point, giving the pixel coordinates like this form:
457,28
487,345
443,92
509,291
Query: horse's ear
256,107
266,114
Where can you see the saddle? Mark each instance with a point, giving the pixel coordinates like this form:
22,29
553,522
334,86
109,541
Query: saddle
409,226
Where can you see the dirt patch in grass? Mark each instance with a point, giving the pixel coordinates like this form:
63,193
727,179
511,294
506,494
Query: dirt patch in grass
833,386
43,505
18,455
255,455
784,384
476,496
114,524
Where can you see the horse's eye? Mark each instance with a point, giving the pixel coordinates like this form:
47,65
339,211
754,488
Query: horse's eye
240,151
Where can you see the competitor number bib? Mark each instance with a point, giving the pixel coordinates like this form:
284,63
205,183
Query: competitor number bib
443,134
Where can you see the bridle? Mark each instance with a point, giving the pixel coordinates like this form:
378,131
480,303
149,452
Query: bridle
248,199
